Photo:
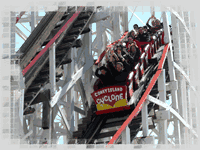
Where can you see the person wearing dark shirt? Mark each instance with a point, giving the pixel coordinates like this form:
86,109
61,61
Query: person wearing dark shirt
130,40
143,37
114,55
128,57
105,76
135,52
120,54
120,72
145,30
119,50
135,27
132,34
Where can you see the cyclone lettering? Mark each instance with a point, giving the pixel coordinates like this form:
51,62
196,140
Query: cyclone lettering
109,98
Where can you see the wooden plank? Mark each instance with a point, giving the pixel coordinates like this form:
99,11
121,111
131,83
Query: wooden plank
27,135
63,114
99,16
79,110
116,119
81,89
106,134
75,107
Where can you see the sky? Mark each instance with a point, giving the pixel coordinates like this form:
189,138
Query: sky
144,16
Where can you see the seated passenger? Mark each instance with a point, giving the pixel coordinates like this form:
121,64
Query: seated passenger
132,34
152,36
111,53
145,30
142,36
120,53
136,28
135,52
156,25
105,76
130,40
98,84
114,55
128,57
120,72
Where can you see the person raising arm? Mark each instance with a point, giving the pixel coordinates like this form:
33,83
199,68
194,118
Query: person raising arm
153,22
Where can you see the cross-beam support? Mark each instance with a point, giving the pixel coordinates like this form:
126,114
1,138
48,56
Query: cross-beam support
170,60
173,111
162,97
71,83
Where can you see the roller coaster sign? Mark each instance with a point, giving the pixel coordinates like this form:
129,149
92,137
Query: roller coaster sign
110,97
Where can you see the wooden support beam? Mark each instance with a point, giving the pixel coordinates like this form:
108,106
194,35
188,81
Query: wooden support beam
75,107
79,110
45,115
173,111
71,82
62,131
107,24
37,122
21,34
28,19
64,117
99,16
81,89
27,135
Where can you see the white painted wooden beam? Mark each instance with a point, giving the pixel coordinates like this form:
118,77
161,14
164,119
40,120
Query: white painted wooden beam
162,97
157,133
28,19
99,16
126,136
136,16
28,134
71,82
145,126
75,107
21,34
183,22
62,131
107,24
185,75
170,59
64,117
173,111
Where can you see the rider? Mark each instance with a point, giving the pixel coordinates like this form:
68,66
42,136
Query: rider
105,76
156,25
120,71
135,52
143,36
